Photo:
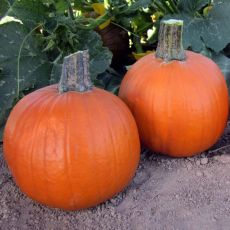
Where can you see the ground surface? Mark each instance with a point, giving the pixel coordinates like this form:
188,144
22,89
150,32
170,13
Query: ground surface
166,193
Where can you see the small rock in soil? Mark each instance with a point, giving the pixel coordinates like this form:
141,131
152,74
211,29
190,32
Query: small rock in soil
191,159
141,178
112,212
207,174
197,162
199,173
204,161
225,159
189,166
117,200
177,196
216,157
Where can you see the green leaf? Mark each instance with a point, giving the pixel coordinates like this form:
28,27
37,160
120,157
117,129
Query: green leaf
216,32
213,31
110,80
34,66
50,45
11,1
61,6
30,12
192,33
4,6
224,63
136,6
192,6
32,70
55,73
100,57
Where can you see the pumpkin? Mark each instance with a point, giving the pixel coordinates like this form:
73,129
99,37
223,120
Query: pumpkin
71,146
179,98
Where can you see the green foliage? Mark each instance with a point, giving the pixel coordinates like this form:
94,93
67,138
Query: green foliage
33,48
205,21
100,57
31,12
134,7
4,6
110,80
192,6
19,73
211,31
224,63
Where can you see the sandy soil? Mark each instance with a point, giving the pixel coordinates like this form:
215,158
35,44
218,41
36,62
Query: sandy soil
166,193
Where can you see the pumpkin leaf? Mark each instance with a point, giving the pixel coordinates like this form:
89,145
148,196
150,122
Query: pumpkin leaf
34,68
224,63
61,6
192,6
216,34
4,6
100,57
31,12
192,33
136,6
55,73
213,30
110,80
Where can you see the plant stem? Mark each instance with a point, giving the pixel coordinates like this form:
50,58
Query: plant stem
137,45
170,45
106,4
75,73
159,7
218,149
19,57
95,22
114,23
174,7
71,14
166,6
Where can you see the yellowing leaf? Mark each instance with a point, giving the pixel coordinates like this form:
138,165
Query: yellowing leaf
99,8
105,24
156,16
138,56
206,10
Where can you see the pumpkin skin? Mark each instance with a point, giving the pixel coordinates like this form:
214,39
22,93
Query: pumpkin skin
72,150
180,107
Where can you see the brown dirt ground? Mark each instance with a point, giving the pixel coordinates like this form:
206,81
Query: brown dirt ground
166,193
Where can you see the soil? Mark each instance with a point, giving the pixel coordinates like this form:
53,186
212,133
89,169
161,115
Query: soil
166,193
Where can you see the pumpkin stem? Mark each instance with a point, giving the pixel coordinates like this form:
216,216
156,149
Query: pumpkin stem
170,45
75,73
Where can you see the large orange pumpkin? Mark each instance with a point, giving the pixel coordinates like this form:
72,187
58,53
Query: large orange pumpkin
179,98
71,148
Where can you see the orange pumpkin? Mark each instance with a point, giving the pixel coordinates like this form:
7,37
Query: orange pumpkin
179,98
71,148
